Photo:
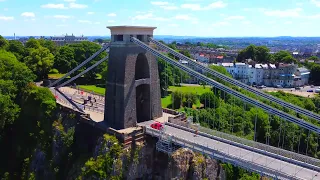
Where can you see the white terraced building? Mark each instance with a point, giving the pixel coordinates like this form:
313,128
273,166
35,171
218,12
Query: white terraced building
285,75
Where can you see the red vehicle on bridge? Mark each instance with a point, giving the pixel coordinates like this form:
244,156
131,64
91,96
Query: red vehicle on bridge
157,125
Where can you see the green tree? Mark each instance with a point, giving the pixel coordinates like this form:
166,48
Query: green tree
33,43
262,54
283,56
208,99
9,111
3,43
315,58
64,60
49,45
12,69
17,48
84,50
40,61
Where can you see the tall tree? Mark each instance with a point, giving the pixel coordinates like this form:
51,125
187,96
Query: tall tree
49,44
3,43
262,54
40,61
17,48
64,60
33,43
83,51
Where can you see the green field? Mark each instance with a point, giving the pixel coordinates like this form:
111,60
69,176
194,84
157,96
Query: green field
166,101
93,88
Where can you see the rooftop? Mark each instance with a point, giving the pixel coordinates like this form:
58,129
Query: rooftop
131,30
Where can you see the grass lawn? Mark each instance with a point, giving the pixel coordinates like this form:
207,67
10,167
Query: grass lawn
56,76
166,101
94,88
197,89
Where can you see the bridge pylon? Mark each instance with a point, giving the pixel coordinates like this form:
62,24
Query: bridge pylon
133,86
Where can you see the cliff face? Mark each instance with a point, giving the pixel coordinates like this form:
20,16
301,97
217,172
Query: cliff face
182,164
79,152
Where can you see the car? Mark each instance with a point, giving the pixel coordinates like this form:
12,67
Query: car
310,90
156,125
317,90
278,86
312,86
298,88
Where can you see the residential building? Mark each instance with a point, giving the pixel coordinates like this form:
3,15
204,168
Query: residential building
301,77
63,40
286,74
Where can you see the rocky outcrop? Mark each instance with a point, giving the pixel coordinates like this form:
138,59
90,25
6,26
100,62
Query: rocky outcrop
189,165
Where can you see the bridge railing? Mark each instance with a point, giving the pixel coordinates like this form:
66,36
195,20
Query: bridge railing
216,154
292,157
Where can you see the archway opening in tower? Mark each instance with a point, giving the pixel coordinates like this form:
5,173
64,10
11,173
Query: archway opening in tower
143,99
143,107
142,67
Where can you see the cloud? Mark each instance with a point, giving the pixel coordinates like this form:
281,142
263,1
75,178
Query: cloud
149,16
62,17
173,25
54,6
221,23
6,18
246,22
97,23
165,5
315,16
235,18
62,25
70,0
85,21
198,7
288,22
315,2
28,14
283,13
77,6
159,3
184,17
169,7
90,13
112,14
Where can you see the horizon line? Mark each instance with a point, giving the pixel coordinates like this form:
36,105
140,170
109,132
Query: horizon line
187,36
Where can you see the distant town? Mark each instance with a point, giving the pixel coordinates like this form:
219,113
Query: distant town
224,51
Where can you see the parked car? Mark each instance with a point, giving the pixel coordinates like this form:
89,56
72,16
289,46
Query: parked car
298,88
310,90
312,86
317,90
156,125
278,86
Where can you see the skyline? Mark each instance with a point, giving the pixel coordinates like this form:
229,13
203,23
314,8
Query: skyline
200,18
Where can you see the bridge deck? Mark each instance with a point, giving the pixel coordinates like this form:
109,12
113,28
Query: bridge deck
269,162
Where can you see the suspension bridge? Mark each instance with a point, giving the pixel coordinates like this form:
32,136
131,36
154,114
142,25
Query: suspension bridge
133,98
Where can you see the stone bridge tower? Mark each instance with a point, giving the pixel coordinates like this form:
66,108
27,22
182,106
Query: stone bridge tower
133,86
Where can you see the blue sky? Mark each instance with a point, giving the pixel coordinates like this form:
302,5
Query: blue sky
215,18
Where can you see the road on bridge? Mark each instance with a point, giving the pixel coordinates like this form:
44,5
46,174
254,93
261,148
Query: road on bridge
269,162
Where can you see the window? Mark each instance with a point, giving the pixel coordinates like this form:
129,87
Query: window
140,37
118,38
